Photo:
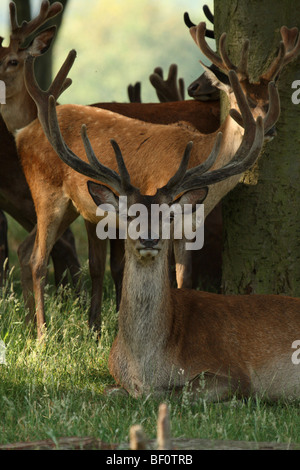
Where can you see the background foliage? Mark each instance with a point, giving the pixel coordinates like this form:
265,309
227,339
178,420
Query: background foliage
120,42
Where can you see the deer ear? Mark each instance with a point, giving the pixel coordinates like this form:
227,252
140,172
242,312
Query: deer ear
217,78
193,197
102,195
41,43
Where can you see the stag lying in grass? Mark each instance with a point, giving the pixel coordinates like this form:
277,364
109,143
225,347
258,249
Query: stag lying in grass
169,338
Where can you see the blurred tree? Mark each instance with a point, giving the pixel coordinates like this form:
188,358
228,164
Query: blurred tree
262,220
43,65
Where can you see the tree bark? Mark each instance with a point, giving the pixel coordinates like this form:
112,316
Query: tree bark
261,252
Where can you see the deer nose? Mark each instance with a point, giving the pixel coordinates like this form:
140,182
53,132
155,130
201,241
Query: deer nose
149,242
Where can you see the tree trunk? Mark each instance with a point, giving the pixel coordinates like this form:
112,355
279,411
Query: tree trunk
261,251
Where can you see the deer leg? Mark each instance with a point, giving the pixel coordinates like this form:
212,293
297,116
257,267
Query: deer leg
117,252
34,254
3,248
183,260
48,230
97,259
24,254
64,257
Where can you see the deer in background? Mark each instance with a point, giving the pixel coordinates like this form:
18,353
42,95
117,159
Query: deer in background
172,89
147,146
205,118
166,90
20,110
172,107
169,338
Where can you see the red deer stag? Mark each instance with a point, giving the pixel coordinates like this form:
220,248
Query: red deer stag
153,147
20,110
168,338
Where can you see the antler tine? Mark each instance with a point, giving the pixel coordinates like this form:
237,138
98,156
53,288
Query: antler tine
223,62
13,17
276,64
246,115
274,107
209,15
20,33
134,93
59,84
291,40
273,111
288,50
236,166
226,61
242,68
209,33
94,169
187,20
198,34
181,89
207,164
244,157
174,182
127,187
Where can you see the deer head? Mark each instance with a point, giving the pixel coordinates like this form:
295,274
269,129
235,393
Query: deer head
186,186
13,56
256,93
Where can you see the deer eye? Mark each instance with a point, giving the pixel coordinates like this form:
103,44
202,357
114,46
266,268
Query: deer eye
13,62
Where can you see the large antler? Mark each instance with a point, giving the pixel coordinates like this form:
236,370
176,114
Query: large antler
19,33
223,63
184,179
58,86
288,50
243,159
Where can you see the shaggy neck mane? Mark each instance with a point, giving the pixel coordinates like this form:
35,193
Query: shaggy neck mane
144,304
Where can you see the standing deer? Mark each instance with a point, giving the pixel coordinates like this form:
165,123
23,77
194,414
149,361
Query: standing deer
167,337
20,110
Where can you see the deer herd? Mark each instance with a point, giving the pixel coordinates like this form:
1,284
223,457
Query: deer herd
62,161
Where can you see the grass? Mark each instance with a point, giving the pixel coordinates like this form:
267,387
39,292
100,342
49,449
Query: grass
56,389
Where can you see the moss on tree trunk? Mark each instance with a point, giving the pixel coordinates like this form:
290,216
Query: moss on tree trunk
262,221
